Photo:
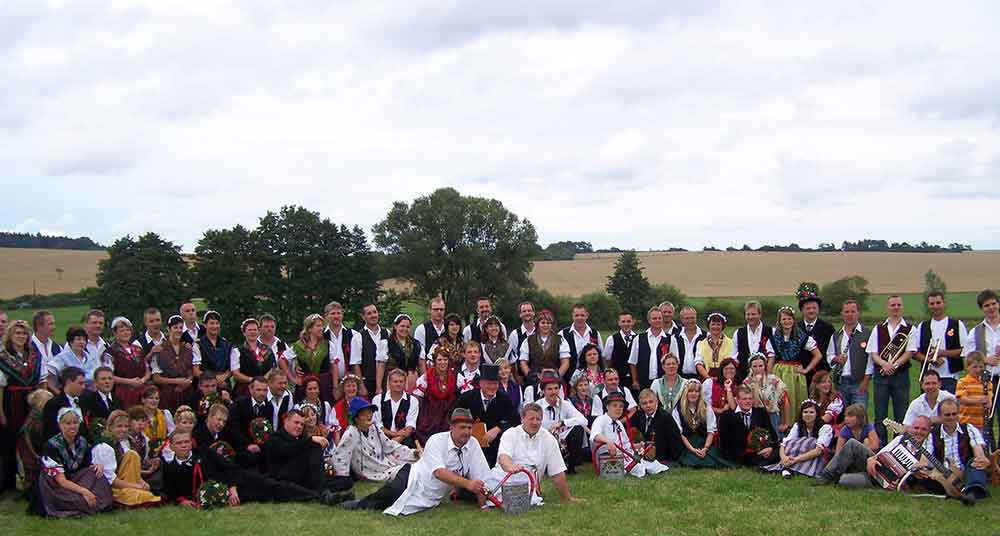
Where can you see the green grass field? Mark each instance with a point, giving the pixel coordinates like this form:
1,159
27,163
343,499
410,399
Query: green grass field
681,501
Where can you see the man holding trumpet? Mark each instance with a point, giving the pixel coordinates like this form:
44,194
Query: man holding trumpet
892,365
938,343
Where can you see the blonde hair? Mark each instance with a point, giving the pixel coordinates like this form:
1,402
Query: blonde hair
308,323
184,413
974,358
697,417
7,338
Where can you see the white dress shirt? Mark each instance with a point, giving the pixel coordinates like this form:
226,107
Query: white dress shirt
423,489
562,410
939,329
539,454
951,454
654,341
515,346
579,341
411,413
597,408
992,336
753,341
845,344
920,407
690,351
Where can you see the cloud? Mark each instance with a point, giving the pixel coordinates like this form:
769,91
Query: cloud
640,125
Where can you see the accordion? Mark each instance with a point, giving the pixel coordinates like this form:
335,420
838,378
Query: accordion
893,466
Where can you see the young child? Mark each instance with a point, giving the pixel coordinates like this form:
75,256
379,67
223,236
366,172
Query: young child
184,421
972,395
657,427
140,442
159,422
610,435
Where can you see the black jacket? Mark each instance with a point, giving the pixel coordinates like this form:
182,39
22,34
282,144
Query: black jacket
93,406
240,415
282,449
501,411
662,426
733,436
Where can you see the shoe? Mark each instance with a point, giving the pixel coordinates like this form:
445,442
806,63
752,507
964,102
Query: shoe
968,499
821,481
786,474
353,504
331,498
571,470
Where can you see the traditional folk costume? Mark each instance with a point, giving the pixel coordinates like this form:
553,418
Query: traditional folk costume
374,349
749,341
72,459
786,360
171,363
19,375
30,443
395,415
647,350
495,351
211,356
571,433
696,431
687,353
770,396
436,399
953,336
668,393
617,351
710,354
894,388
798,442
576,341
119,461
370,454
252,362
127,361
660,429
404,356
742,434
617,430
543,352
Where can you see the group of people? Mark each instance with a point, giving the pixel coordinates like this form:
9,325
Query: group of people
188,417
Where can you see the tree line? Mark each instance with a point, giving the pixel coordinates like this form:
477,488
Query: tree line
40,241
567,250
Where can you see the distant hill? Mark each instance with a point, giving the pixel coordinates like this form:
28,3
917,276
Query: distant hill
40,241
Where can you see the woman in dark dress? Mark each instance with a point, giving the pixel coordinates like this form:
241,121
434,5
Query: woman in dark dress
404,353
437,390
20,373
255,358
70,485
698,430
131,372
172,368
449,343
508,383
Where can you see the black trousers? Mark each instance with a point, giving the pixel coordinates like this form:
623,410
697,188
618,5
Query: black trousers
574,448
306,471
385,496
255,487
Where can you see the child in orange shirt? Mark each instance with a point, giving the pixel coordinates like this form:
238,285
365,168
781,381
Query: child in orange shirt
971,393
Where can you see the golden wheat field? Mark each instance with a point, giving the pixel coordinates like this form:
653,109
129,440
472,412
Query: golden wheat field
739,273
23,271
700,274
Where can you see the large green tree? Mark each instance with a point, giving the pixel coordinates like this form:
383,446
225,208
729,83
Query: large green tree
628,284
459,247
141,273
290,266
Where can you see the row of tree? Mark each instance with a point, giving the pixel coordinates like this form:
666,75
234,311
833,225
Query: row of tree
565,250
40,241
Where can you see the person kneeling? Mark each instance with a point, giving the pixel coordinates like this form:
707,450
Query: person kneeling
366,451
610,436
449,462
745,434
533,448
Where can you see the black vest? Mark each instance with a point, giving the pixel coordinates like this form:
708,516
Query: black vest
431,334
951,342
215,358
743,350
521,337
822,332
346,337
681,351
369,347
186,337
856,352
884,339
964,445
642,361
402,359
574,352
249,365
620,352
385,410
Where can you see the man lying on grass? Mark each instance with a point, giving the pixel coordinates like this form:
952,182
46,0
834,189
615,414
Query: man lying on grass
449,462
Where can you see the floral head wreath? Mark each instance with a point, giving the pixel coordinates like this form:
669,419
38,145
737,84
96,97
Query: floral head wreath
251,320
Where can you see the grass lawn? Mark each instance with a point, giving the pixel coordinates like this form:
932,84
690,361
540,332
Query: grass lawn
65,317
682,501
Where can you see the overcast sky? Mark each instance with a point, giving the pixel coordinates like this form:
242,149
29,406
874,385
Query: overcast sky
641,124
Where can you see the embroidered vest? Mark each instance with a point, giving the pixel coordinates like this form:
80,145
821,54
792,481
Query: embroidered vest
539,358
951,342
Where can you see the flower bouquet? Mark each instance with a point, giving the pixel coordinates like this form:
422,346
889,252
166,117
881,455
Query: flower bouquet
213,494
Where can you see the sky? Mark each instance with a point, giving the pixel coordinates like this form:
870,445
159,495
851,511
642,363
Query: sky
642,124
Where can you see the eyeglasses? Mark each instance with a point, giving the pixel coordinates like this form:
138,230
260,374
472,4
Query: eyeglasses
951,414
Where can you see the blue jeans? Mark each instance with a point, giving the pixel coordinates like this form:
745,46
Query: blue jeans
849,392
896,388
975,482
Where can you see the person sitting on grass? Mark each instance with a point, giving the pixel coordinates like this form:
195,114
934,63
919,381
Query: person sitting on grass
611,385
657,427
138,440
609,436
698,430
529,446
927,403
70,484
857,427
450,461
31,440
366,451
804,449
121,465
396,412
185,422
295,457
824,392
746,436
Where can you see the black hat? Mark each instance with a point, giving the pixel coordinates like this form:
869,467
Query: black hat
489,373
808,292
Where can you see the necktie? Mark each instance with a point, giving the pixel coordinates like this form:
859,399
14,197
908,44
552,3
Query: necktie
618,431
258,408
486,404
552,413
461,463
809,328
746,420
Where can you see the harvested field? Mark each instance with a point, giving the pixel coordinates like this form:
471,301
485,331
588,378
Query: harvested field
770,274
23,271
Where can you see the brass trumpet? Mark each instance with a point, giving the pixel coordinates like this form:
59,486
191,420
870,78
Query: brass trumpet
931,358
895,349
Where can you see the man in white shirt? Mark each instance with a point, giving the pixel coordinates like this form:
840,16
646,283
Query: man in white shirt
892,380
949,332
374,352
962,448
985,337
344,342
579,334
751,338
686,343
396,412
847,352
667,310
268,328
474,331
449,461
647,350
93,325
561,418
44,325
619,347
530,447
526,312
926,405
430,331
192,329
